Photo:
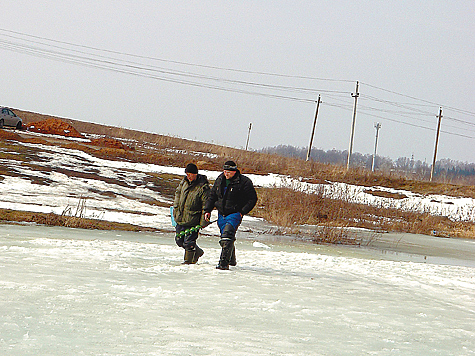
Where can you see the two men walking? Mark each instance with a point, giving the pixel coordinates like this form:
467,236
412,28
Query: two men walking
233,195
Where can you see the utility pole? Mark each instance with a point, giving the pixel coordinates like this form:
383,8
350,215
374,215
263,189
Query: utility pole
377,127
313,129
436,144
248,135
355,95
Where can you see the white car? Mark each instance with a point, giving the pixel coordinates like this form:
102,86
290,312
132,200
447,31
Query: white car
9,118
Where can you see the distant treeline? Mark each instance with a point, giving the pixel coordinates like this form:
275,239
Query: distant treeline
446,170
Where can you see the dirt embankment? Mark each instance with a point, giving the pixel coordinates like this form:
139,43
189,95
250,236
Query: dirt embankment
110,143
9,135
54,127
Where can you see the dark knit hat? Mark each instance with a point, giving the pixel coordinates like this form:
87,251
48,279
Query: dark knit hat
191,168
230,166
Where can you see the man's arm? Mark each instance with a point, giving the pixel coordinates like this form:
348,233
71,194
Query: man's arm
211,200
250,197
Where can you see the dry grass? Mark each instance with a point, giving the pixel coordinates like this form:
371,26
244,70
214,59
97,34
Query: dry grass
250,162
332,235
290,208
50,219
286,207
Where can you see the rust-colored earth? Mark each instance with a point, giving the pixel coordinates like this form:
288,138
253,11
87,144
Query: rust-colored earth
59,127
54,127
109,142
9,135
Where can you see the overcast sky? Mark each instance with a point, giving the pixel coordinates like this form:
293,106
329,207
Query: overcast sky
205,70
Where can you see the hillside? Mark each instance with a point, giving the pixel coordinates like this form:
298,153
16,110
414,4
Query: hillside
263,163
308,193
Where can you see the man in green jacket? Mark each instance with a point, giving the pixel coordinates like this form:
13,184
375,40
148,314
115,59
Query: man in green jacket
190,198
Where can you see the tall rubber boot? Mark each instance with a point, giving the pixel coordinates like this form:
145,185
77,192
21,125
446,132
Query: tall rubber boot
189,254
227,246
232,261
198,253
226,252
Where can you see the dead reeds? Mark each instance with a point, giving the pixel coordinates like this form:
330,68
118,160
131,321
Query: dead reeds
291,208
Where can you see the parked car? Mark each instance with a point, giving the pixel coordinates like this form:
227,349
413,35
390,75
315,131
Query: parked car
9,118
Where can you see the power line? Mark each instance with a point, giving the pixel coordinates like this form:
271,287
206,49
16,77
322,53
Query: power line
108,63
414,111
53,43
174,61
349,108
406,106
460,121
422,100
56,50
135,70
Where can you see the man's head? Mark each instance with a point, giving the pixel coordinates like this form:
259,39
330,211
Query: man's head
229,169
191,171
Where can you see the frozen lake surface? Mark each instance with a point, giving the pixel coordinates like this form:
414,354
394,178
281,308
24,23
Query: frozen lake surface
77,292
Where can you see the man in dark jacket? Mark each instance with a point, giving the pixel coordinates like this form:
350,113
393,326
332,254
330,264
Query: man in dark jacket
190,198
234,196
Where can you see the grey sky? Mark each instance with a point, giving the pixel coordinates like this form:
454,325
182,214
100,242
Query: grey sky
201,70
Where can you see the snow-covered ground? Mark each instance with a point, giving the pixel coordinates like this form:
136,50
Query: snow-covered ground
97,182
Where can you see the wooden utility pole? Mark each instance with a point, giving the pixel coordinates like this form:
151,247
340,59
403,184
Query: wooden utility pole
377,127
355,95
436,145
313,129
248,135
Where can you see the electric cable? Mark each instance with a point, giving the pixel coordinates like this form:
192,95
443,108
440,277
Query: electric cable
79,55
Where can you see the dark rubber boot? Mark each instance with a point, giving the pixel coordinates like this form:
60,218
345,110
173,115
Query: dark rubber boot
189,257
233,262
198,253
227,246
223,259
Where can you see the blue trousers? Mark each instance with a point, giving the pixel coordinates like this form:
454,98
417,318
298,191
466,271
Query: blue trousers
232,219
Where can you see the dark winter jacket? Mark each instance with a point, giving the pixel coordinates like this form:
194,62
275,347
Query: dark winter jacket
190,199
239,197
